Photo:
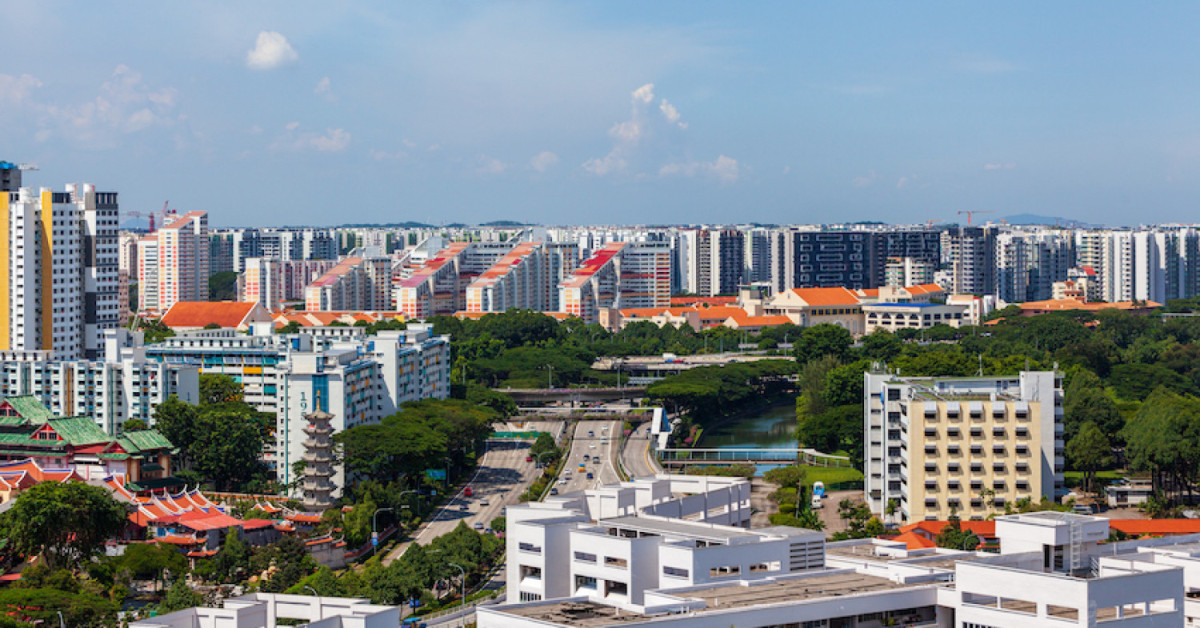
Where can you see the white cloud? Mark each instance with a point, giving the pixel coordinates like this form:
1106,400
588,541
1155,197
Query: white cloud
409,144
645,93
271,50
1006,166
15,90
725,169
983,64
903,181
255,130
124,105
864,180
608,164
485,164
324,88
626,131
333,140
669,111
543,161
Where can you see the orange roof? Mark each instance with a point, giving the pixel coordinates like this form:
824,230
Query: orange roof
915,541
870,293
983,529
720,313
183,220
1060,305
198,314
925,288
705,300
763,321
601,258
827,296
1155,527
649,312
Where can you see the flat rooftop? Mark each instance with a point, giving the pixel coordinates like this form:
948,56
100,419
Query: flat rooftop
705,531
733,595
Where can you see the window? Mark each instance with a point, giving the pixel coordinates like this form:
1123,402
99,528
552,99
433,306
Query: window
612,561
675,572
582,557
721,572
529,547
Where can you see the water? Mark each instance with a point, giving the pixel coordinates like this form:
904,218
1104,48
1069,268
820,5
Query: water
772,427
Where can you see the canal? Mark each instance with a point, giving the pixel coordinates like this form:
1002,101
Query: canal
769,427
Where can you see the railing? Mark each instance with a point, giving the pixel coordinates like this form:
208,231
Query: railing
806,456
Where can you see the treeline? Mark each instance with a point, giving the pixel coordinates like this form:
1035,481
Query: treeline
527,349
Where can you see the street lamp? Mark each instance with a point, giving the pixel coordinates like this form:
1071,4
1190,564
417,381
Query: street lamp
416,500
544,453
62,623
464,586
550,376
374,528
320,613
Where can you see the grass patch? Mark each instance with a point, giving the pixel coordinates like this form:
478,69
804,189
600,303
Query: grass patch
1103,478
831,475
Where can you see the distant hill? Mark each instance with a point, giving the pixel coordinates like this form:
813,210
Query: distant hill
503,223
135,224
1035,219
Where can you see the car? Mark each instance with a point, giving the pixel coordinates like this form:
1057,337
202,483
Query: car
528,458
464,506
591,445
467,491
554,491
591,433
562,480
478,525
587,457
589,475
604,442
483,502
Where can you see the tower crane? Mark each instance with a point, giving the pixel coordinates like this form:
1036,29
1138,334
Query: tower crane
972,212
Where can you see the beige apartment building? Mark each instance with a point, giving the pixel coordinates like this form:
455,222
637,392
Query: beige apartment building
969,445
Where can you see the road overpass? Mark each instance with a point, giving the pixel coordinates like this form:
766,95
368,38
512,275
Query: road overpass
573,396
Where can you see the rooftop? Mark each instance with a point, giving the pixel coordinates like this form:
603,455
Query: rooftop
706,531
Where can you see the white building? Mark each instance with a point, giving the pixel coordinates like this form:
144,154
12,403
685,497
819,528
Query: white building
173,263
872,583
358,378
264,610
614,543
896,316
60,264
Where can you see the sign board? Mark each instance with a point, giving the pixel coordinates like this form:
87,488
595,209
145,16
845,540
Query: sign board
436,474
374,541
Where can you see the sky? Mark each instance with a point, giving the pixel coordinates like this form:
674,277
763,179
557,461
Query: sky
664,112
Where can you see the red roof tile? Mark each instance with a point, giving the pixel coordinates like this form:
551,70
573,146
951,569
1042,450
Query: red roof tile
199,314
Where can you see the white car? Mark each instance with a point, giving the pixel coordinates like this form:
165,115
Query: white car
562,480
591,445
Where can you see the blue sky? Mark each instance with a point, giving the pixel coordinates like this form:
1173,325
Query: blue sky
610,112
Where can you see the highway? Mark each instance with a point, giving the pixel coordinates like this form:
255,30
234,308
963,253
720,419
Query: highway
636,455
593,440
502,475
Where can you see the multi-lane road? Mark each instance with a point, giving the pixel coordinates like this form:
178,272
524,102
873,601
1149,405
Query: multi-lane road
594,446
635,456
502,475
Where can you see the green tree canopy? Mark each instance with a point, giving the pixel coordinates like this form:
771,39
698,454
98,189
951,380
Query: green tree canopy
62,522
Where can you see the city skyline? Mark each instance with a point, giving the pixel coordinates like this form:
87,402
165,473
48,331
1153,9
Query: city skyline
615,113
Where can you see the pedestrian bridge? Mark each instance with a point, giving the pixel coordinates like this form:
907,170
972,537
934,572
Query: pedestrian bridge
684,457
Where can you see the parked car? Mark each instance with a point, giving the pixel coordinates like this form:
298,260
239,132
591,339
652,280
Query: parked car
478,525
483,501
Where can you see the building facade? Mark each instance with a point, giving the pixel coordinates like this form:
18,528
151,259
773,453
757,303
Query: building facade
173,263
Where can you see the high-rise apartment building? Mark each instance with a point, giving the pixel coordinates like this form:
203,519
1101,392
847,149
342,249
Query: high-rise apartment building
362,281
716,261
173,263
968,256
262,282
967,446
835,259
60,261
619,275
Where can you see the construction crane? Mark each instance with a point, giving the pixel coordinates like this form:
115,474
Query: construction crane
972,212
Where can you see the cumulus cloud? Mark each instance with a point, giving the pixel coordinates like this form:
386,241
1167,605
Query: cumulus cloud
724,169
644,94
864,180
381,155
671,113
1006,166
271,50
332,140
485,164
324,88
543,161
626,131
15,90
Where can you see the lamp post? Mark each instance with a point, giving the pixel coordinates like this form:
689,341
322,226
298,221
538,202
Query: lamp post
320,613
464,588
416,500
550,376
62,623
374,527
544,453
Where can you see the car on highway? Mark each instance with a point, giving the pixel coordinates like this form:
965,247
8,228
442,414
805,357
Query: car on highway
591,445
478,525
562,480
554,491
467,491
483,502
587,457
589,475
582,467
591,432
528,458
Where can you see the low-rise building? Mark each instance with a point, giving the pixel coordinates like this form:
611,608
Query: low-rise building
896,316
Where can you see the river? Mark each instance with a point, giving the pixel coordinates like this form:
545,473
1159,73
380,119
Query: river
771,427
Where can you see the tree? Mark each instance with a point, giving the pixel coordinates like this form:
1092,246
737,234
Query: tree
786,477
233,560
953,536
178,422
150,560
1089,451
180,597
544,445
821,340
64,523
133,425
292,327
881,344
227,450
215,388
1095,406
222,286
